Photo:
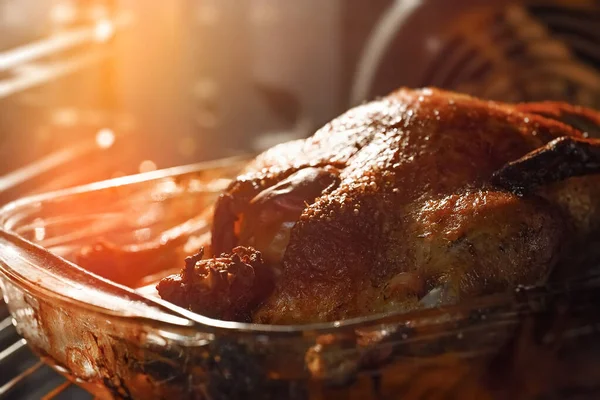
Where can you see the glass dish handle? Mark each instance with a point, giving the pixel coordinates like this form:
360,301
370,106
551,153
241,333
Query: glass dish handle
33,265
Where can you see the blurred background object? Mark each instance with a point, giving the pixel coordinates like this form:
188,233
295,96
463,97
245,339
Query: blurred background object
187,80
93,89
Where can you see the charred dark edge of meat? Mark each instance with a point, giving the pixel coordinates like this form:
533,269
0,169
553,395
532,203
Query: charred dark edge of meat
560,159
228,287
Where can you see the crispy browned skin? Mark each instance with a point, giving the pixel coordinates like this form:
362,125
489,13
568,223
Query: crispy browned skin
403,207
228,287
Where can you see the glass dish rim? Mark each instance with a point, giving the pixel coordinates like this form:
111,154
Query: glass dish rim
181,318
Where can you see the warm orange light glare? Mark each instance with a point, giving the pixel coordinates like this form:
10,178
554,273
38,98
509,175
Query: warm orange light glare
104,30
147,166
65,117
98,11
63,13
39,230
105,138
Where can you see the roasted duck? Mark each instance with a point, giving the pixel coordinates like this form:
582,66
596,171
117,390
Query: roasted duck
420,198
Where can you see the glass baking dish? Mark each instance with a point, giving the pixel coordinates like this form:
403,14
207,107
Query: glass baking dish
123,342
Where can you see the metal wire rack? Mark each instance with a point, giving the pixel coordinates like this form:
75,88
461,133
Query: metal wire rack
523,54
521,51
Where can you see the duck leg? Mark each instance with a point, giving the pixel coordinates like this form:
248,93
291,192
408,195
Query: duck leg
560,159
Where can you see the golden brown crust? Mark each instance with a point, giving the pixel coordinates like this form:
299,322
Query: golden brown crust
415,210
429,149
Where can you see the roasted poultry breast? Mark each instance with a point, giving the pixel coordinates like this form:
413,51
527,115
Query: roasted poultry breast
420,198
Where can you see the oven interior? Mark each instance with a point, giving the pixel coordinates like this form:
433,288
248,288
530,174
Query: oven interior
95,89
